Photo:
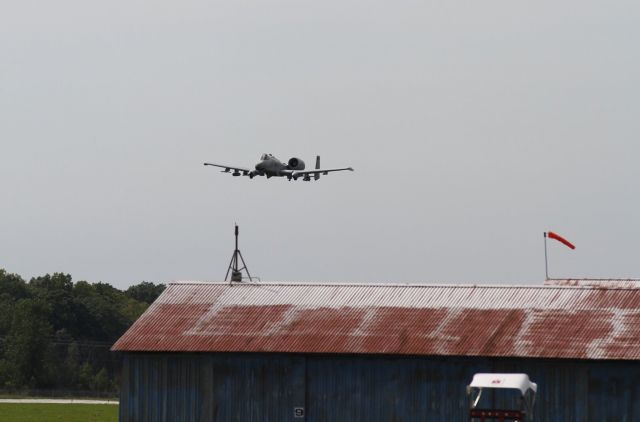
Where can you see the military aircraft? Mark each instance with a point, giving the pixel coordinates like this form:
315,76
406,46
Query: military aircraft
270,166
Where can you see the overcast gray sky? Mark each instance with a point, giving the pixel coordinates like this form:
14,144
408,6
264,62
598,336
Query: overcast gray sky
473,127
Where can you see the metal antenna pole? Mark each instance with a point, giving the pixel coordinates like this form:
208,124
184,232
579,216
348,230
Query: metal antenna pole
546,262
236,272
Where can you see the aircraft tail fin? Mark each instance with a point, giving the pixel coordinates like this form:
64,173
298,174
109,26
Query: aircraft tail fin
317,175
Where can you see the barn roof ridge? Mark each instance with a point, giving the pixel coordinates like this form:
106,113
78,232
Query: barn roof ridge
549,284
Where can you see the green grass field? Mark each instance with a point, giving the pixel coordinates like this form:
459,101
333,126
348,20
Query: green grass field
19,412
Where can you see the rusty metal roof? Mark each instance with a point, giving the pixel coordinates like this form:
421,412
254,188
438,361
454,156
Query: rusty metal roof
406,319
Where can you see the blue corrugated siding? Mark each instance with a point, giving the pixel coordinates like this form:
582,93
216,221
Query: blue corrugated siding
176,387
254,388
267,388
380,389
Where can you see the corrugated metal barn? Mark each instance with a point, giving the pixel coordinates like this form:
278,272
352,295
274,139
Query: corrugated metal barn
379,352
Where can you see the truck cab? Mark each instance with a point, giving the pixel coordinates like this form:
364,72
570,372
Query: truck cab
501,397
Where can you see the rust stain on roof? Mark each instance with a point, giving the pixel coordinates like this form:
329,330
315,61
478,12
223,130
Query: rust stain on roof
568,334
550,321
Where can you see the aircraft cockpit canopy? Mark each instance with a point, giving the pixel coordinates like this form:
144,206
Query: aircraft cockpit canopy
265,157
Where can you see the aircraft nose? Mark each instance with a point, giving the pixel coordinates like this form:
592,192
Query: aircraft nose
259,166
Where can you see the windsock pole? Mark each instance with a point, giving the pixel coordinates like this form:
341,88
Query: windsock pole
546,261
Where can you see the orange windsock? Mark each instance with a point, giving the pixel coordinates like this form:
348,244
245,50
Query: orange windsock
560,239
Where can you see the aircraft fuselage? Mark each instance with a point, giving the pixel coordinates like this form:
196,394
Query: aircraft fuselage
272,167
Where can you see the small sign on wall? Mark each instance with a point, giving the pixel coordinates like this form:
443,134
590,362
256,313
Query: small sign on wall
298,412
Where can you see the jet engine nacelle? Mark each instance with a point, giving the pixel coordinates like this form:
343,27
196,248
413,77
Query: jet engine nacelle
295,164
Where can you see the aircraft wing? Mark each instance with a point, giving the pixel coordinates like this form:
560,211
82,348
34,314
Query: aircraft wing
317,172
227,169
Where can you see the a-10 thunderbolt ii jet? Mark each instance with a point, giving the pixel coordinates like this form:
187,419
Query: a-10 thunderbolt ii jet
270,166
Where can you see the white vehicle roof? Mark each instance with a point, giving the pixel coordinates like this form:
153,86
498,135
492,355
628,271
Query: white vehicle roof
517,381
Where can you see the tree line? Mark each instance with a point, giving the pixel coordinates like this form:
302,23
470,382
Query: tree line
56,334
